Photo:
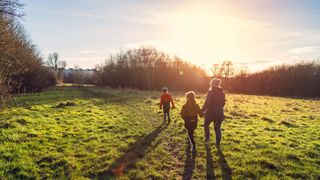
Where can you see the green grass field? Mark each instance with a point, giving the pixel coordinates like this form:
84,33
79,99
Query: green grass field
87,132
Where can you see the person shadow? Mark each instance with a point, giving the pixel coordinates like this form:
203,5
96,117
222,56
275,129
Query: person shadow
225,168
134,152
189,163
209,166
226,171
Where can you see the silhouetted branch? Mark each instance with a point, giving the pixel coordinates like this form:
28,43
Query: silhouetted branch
10,8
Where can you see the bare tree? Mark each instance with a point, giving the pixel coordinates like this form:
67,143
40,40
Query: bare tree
4,91
216,70
148,68
62,64
57,65
243,71
21,66
53,60
227,69
10,8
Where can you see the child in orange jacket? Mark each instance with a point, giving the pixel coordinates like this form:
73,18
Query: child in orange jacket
165,103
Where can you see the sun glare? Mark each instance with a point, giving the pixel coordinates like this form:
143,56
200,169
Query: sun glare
204,36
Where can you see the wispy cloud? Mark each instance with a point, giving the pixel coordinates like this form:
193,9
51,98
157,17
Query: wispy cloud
262,61
85,59
97,51
305,50
87,51
74,13
151,43
93,15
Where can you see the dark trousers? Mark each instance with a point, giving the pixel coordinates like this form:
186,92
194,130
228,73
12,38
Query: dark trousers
217,129
191,137
166,114
190,123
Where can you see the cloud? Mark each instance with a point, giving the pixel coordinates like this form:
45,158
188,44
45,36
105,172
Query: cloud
262,61
152,18
304,50
77,14
85,59
97,51
151,43
81,14
87,51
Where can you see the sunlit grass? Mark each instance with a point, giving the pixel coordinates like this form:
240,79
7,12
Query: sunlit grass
87,132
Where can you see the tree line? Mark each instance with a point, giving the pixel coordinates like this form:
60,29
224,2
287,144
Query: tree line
150,69
21,66
77,75
297,80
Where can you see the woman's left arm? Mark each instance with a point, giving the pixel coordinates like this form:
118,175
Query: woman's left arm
205,105
224,99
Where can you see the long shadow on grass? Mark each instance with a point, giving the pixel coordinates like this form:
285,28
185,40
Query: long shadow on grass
189,164
226,170
135,152
209,167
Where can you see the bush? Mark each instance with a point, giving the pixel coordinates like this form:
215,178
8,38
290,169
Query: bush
148,68
21,67
4,92
299,80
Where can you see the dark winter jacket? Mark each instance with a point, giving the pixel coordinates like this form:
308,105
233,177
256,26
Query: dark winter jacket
213,106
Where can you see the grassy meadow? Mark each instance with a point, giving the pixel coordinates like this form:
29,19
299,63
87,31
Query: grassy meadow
88,132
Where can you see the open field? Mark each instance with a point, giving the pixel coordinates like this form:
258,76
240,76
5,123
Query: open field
87,132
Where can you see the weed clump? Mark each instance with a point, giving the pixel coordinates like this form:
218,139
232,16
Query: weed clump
286,111
288,123
312,154
228,117
273,129
62,105
154,97
7,125
22,121
267,164
267,119
254,115
293,157
238,114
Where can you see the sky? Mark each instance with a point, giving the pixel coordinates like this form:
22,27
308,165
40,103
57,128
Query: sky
253,34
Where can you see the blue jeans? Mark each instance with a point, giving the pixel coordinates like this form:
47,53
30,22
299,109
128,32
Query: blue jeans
217,129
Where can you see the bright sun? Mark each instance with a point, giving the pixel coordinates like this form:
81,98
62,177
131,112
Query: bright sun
204,36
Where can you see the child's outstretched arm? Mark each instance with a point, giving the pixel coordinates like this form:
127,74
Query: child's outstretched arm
205,105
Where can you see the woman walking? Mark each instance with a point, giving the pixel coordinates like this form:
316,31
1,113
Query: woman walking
213,110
